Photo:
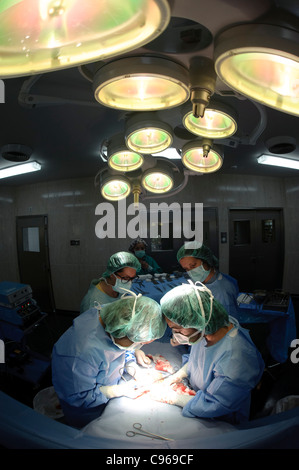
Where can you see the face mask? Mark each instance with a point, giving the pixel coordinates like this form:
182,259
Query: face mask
140,253
120,286
199,273
183,339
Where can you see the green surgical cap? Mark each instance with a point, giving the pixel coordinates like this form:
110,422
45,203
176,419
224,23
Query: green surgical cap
181,306
201,252
146,324
121,260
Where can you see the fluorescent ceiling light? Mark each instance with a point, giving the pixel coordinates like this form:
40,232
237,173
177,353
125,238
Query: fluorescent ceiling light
45,35
142,83
278,161
19,169
261,61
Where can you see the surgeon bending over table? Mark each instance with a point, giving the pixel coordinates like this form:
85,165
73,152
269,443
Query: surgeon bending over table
89,359
223,365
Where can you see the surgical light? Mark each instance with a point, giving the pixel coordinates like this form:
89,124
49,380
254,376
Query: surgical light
157,180
201,157
218,122
142,83
261,61
45,35
115,188
19,169
121,158
147,135
278,161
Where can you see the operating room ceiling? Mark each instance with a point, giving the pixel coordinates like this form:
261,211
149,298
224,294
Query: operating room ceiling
54,118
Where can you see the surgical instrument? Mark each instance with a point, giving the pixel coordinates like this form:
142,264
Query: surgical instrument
142,432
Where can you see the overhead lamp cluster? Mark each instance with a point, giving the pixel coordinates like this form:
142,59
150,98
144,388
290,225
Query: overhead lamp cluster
157,177
259,60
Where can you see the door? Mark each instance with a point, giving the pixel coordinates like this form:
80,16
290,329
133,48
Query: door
164,250
256,248
33,257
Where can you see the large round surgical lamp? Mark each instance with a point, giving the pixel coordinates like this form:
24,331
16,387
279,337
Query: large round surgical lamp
114,188
146,134
218,122
121,158
45,35
141,83
261,61
158,179
202,156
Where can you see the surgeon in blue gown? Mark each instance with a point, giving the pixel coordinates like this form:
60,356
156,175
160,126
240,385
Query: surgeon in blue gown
203,266
120,272
223,366
89,359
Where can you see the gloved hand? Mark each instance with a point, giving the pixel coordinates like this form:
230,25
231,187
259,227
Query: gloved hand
120,390
142,358
177,377
166,394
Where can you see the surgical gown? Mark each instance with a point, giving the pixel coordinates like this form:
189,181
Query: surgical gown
223,376
95,295
83,359
225,289
153,266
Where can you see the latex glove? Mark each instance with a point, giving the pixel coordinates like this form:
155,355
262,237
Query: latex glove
120,390
165,394
177,377
142,358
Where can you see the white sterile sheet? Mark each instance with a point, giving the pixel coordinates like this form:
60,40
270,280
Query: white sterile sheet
158,418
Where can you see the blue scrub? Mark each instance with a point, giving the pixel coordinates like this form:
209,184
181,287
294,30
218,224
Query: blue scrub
223,376
225,290
95,295
83,359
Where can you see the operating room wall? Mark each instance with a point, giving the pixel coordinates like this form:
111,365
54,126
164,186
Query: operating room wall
70,206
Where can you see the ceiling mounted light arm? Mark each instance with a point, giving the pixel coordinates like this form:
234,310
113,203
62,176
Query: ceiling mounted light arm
30,100
202,82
